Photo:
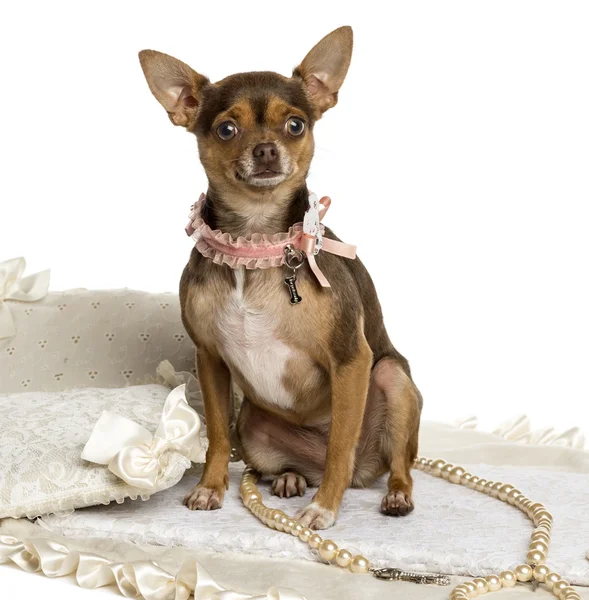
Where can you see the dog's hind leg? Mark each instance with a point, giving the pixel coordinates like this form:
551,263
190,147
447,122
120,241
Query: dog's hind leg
294,456
289,484
402,402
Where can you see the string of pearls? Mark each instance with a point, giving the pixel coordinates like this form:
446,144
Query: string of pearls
534,569
276,519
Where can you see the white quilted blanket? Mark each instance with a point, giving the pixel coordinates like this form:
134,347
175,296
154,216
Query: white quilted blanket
453,530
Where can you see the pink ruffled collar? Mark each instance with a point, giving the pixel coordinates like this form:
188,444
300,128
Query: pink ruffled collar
263,251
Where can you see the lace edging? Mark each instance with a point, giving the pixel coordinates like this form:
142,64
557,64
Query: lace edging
206,239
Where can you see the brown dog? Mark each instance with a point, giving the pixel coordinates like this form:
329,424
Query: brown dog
327,399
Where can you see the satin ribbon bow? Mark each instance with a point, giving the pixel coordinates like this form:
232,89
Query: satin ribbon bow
134,454
312,240
13,286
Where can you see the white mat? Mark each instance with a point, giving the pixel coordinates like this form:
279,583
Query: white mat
453,530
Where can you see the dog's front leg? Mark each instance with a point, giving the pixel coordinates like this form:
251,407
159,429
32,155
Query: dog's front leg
349,384
215,383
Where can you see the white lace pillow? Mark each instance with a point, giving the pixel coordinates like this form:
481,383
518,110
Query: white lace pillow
80,338
41,440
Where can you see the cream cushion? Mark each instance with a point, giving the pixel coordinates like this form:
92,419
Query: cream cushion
41,440
105,338
262,557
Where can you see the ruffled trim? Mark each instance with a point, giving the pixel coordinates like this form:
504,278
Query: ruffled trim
519,430
93,497
260,251
69,500
141,578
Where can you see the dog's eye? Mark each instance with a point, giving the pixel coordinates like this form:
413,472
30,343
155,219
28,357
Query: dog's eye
295,126
226,130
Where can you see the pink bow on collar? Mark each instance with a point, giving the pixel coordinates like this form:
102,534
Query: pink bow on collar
311,244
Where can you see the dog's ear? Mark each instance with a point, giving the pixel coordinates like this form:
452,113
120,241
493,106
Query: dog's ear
177,87
324,68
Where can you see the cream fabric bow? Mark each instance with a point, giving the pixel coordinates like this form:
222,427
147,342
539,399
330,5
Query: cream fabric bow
13,286
137,456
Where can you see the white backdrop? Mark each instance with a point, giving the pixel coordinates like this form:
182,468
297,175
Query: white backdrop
456,159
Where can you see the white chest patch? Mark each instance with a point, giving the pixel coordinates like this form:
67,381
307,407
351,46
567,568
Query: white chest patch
247,340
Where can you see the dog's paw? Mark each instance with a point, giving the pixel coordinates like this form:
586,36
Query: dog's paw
397,504
315,516
203,498
289,484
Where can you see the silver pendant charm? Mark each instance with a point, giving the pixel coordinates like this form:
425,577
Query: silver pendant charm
293,259
292,288
391,574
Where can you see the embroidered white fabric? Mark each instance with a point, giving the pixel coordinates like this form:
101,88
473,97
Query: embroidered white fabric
453,530
98,338
41,439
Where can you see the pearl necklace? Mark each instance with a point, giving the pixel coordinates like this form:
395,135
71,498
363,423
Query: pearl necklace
533,570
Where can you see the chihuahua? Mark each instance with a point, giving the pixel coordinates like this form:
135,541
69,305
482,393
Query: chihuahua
327,400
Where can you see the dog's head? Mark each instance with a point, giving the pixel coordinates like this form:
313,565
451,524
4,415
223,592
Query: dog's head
254,130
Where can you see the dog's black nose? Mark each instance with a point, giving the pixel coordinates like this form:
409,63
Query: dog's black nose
266,153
